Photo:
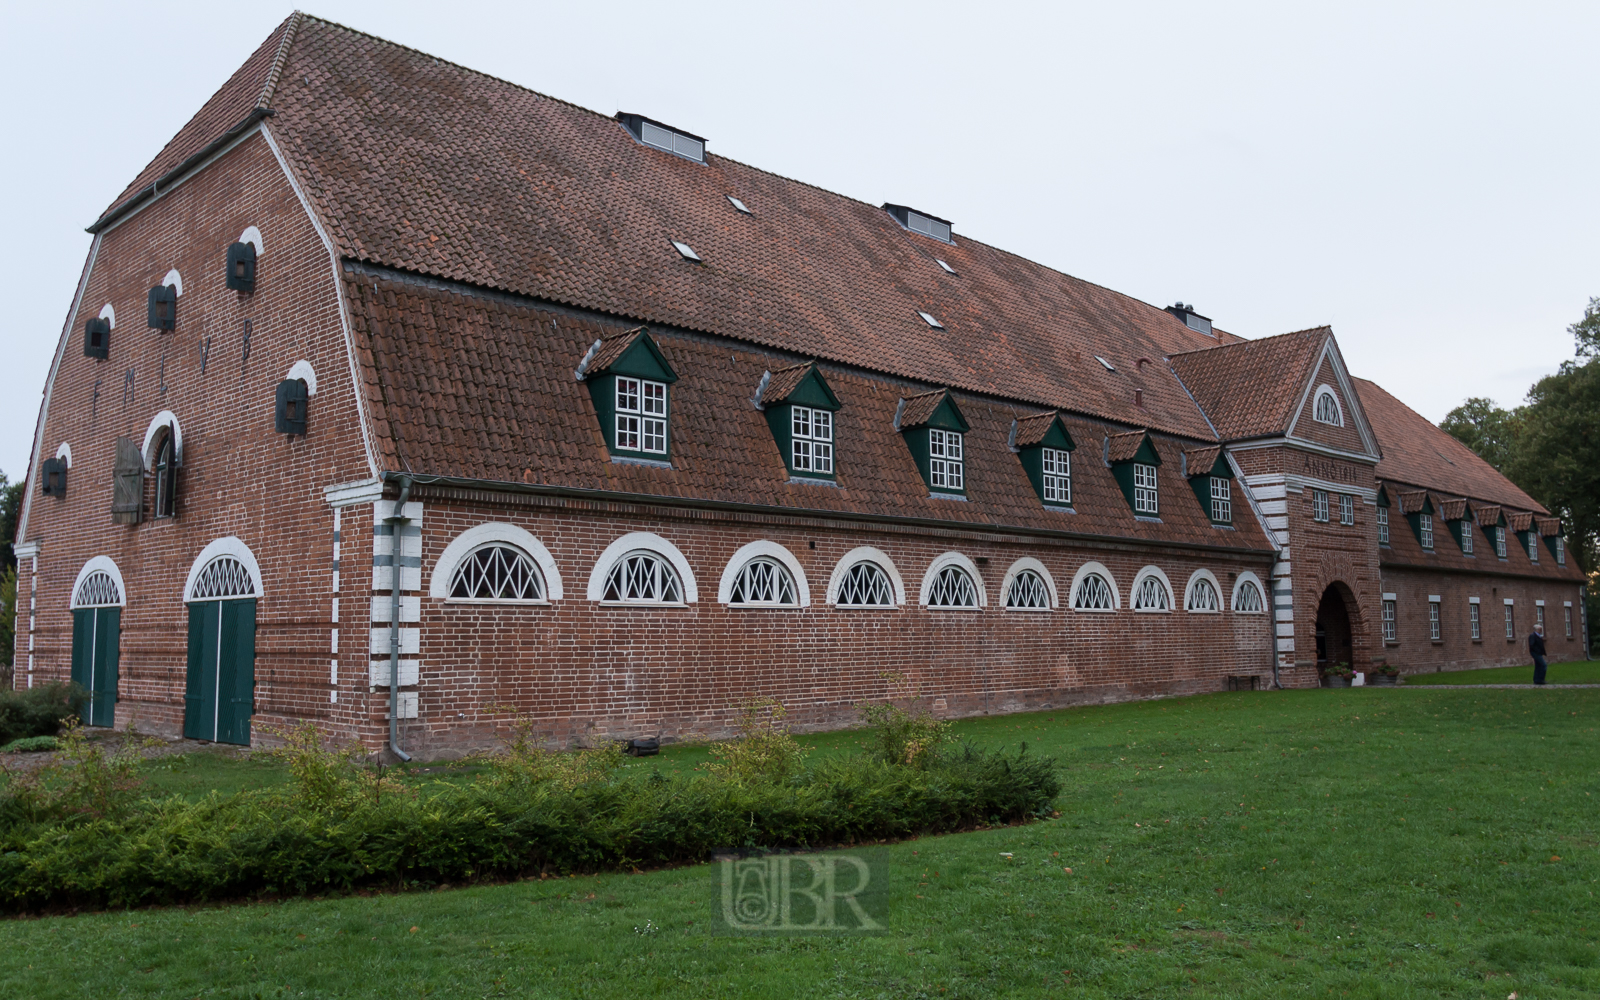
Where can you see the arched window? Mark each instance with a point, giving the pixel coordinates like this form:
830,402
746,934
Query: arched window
165,469
497,572
865,585
643,577
763,582
223,577
1027,591
98,590
1247,598
1150,594
1093,593
1327,409
953,588
1202,595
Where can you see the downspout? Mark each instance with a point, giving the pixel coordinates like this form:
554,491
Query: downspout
397,523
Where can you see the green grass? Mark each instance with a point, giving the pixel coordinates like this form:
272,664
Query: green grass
1578,672
1357,842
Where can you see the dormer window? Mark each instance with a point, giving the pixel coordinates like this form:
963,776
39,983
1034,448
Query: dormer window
1191,319
641,415
800,409
1383,526
1500,540
921,222
1221,501
1425,530
664,137
1146,499
1533,547
1056,466
1561,551
934,430
1042,443
812,443
945,463
630,384
1327,409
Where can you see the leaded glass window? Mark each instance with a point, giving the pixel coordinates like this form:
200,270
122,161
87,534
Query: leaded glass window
98,590
1028,591
223,577
952,588
497,572
1150,594
866,585
764,582
643,577
1093,594
1249,599
1203,596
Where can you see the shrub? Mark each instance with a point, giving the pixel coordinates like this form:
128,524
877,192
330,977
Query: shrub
38,711
31,744
765,749
83,782
523,763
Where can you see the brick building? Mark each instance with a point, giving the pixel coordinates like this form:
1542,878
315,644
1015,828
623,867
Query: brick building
634,432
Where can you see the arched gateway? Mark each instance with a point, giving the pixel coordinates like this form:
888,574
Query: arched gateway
1335,635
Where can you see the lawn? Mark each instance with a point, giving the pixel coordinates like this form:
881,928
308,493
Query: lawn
1577,672
1330,843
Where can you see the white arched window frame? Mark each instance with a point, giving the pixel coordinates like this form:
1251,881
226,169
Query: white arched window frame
83,597
1239,585
1325,406
303,371
65,452
1150,573
232,548
865,553
930,580
769,550
647,541
475,537
1096,569
1191,595
152,435
1028,564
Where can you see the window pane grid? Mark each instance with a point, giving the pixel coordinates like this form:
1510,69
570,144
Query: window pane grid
1511,628
642,578
1203,596
1145,497
1425,529
1027,590
1151,595
1347,509
1383,526
1249,599
1568,613
1500,541
1433,620
1466,537
763,581
1476,622
98,591
1221,500
944,460
1388,621
223,576
812,432
1533,547
641,415
1057,468
1093,594
865,585
952,588
497,573
1327,408
1319,506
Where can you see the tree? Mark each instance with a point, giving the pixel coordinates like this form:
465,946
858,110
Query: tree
10,511
1485,428
1586,331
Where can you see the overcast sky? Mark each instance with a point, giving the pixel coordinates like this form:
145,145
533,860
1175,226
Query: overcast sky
1425,178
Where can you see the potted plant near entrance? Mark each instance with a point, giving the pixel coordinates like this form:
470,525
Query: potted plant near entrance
1336,675
1387,675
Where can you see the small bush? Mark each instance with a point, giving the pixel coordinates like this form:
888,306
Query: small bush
31,744
524,764
908,737
83,783
38,711
765,749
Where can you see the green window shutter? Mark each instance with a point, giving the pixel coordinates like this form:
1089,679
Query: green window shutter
108,635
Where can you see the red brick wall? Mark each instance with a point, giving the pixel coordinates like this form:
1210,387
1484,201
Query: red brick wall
1346,437
1415,652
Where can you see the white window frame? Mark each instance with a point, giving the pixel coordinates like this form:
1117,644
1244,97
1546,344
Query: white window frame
1475,617
444,568
866,553
1262,594
1500,540
1538,613
1533,546
946,463
1425,530
1198,577
1097,569
631,542
811,440
1567,613
1032,565
1466,536
1383,526
1326,392
100,564
1056,476
1511,621
1146,490
1389,632
1221,501
641,416
1319,506
764,548
1435,627
1347,509
233,547
1561,550
938,566
1151,573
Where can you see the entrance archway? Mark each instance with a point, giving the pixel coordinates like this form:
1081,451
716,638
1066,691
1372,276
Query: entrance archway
1334,639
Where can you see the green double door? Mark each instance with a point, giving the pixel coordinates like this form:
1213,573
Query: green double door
95,636
220,695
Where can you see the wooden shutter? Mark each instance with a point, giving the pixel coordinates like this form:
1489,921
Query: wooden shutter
127,490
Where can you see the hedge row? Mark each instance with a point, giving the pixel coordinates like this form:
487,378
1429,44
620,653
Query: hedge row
174,851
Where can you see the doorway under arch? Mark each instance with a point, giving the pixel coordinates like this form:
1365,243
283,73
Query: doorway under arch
1335,638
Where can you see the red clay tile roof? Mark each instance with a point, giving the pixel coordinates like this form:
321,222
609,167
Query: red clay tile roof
1412,501
1032,428
1519,520
785,381
1405,550
1417,453
919,408
612,348
1122,447
247,91
427,167
1487,515
1451,510
1198,461
1250,388
461,383
1549,526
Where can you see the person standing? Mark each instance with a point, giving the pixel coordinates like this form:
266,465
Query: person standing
1536,647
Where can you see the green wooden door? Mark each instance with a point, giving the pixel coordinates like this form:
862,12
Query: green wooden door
219,697
96,634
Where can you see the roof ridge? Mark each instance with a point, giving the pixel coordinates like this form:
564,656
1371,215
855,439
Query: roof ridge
1326,327
270,85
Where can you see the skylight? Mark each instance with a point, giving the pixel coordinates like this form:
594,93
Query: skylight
1109,366
664,137
686,250
930,320
942,264
920,222
738,204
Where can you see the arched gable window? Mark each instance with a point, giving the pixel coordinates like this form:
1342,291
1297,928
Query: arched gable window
1094,589
1327,409
764,574
1203,596
1028,586
1248,597
1151,591
865,578
952,581
496,562
641,567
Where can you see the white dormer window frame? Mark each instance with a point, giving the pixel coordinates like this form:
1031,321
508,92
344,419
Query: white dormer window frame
1383,526
946,466
1057,475
1533,546
1425,530
1326,408
811,441
667,140
641,415
1146,492
1466,537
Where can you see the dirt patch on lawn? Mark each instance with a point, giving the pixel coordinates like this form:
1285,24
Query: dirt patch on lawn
112,740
